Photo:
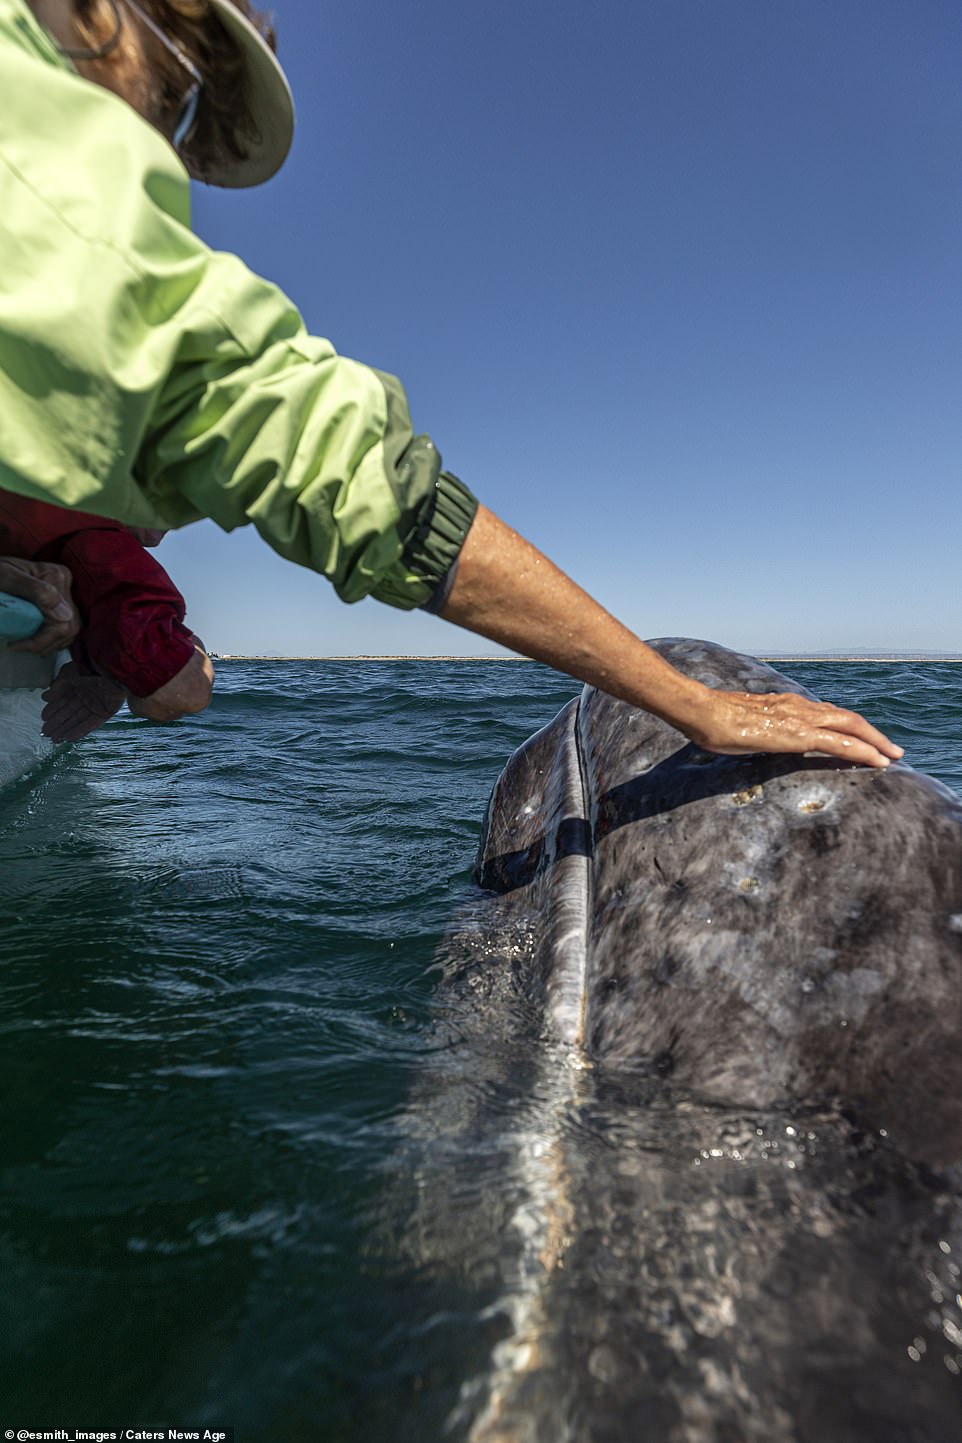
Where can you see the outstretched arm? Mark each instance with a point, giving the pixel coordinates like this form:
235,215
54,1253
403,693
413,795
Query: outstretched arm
506,590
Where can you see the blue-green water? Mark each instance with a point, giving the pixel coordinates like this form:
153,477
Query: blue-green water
216,994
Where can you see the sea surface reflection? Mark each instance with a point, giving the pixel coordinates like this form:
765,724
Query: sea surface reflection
266,1165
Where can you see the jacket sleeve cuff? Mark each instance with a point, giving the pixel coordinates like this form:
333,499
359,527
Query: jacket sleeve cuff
434,547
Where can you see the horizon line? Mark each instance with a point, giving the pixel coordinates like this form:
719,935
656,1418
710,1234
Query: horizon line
827,656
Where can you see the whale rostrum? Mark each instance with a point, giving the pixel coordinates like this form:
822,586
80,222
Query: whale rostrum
683,1159
756,930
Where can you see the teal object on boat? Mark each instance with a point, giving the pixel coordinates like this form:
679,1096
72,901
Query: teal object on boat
18,618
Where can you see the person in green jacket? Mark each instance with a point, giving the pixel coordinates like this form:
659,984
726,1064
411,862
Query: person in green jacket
148,378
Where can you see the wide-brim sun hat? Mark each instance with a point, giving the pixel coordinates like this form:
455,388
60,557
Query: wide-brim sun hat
271,106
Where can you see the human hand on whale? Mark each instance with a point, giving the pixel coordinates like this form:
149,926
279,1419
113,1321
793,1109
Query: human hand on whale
506,590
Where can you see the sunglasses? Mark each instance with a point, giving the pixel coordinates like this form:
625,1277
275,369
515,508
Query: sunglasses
190,100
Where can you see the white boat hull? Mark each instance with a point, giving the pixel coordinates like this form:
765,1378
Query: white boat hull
22,680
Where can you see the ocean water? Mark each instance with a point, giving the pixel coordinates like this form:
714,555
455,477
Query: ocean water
218,1003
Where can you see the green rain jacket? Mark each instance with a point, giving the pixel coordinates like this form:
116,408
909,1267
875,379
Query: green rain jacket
148,378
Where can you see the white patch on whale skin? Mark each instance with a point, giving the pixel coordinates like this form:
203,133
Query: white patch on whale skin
813,799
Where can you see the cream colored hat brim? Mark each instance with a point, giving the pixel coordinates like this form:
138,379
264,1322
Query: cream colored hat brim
271,104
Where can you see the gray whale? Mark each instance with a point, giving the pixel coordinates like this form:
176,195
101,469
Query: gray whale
761,930
676,1161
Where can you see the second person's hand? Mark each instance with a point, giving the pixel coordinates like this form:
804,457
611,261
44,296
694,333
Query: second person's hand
47,586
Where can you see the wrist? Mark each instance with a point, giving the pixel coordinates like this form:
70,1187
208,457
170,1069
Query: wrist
688,704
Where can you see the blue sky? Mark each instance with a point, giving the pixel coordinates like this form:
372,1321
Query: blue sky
674,285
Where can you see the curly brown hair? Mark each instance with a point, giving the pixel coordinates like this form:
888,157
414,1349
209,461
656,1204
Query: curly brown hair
224,127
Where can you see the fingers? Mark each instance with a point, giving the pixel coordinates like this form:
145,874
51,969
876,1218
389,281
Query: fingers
69,720
65,715
66,721
76,705
62,729
51,638
784,722
854,737
47,585
851,736
848,748
44,583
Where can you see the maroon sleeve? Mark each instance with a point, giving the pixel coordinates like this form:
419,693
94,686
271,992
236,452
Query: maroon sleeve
28,527
133,613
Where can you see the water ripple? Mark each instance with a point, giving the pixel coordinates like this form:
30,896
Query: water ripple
239,1127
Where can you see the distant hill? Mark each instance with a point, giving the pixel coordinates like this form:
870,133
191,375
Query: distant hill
861,654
